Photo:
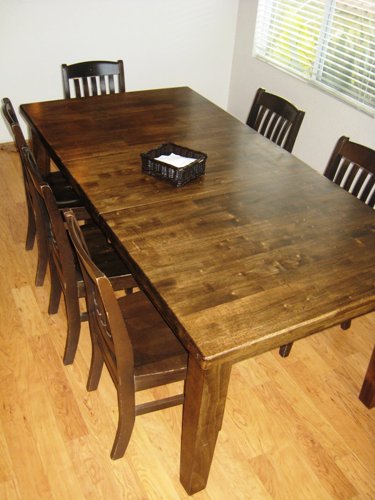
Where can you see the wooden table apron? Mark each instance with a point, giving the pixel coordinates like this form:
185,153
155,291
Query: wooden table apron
260,251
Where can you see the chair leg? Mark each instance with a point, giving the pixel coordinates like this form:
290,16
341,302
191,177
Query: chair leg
345,325
41,268
126,419
74,326
55,293
96,365
31,227
284,350
367,394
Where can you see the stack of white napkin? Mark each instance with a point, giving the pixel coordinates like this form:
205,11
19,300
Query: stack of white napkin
175,160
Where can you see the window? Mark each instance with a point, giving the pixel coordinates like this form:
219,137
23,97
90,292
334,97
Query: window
328,42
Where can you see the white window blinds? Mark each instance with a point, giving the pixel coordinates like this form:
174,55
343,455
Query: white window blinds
329,42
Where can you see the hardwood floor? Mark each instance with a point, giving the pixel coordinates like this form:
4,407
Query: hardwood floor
293,428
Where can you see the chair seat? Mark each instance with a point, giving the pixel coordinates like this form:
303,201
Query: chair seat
163,354
65,195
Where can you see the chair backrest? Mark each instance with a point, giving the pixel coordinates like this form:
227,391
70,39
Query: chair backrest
275,118
85,79
20,142
16,131
105,317
13,123
48,213
352,167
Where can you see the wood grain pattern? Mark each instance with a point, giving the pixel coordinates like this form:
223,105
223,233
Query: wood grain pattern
259,252
297,414
262,249
202,422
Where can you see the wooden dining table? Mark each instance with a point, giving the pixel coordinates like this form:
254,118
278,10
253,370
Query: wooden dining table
259,252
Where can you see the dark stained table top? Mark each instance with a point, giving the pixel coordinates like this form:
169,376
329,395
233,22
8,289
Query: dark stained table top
259,252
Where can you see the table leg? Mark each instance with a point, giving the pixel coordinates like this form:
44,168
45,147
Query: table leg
40,154
205,396
367,394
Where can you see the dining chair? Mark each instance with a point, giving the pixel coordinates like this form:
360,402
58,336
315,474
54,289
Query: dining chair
352,167
85,79
132,339
65,272
275,118
63,191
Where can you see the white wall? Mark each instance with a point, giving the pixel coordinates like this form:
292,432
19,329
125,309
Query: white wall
164,43
326,117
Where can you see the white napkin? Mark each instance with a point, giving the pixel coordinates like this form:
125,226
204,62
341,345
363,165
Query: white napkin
175,160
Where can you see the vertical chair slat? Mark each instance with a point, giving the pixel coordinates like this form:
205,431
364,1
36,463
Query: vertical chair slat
103,88
86,88
341,171
77,87
94,85
350,178
359,182
111,84
367,190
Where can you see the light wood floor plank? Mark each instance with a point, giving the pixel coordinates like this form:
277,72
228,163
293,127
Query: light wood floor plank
19,429
293,428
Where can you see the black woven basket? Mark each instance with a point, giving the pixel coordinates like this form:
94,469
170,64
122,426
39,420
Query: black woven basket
170,173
